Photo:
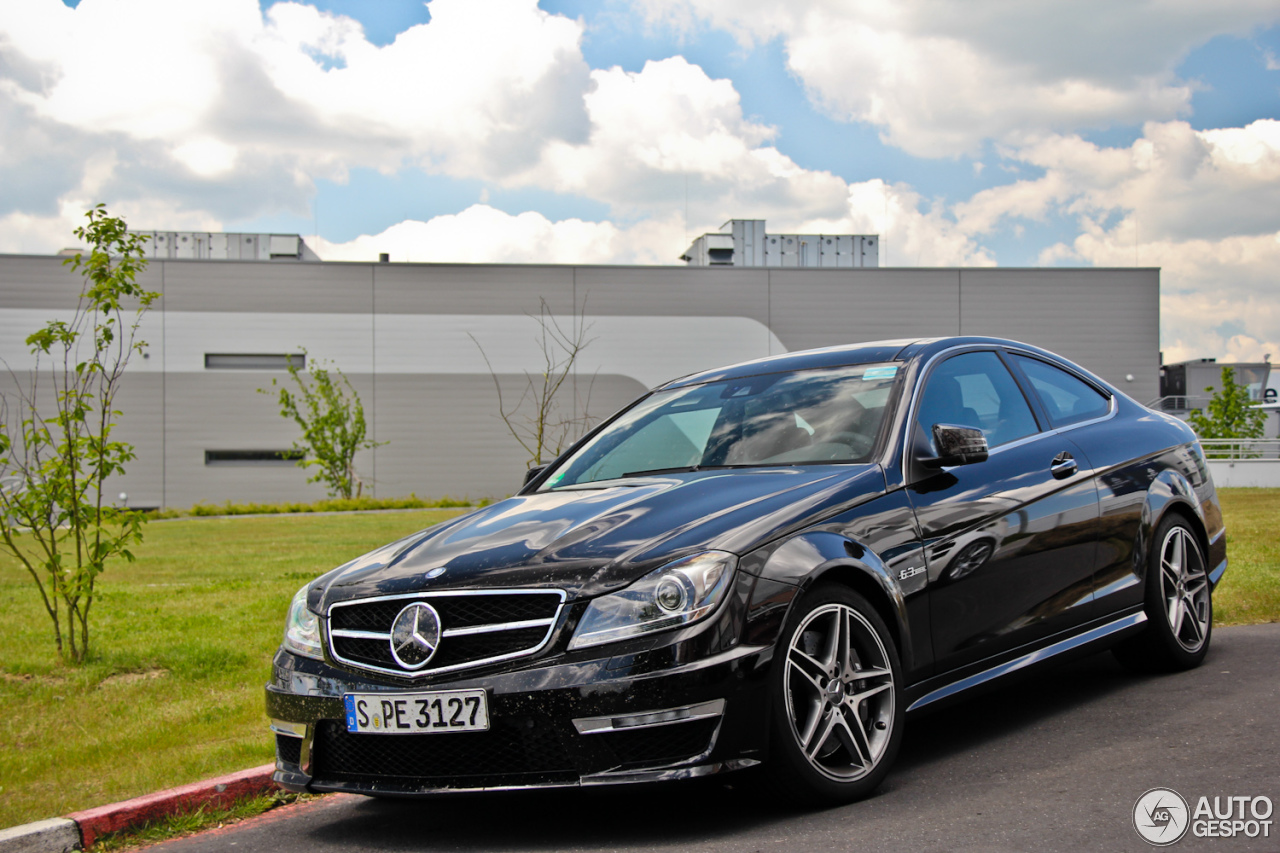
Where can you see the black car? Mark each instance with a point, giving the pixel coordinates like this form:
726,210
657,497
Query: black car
770,563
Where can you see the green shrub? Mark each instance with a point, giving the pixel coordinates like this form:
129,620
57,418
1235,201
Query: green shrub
326,505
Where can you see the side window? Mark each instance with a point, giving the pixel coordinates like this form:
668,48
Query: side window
975,389
1067,399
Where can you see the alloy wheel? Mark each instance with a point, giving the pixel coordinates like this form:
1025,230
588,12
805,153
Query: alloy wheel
840,692
1185,588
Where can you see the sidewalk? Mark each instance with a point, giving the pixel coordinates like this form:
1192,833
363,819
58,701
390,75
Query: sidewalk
79,830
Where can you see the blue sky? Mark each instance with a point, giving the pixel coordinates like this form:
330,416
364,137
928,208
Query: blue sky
1233,87
1066,132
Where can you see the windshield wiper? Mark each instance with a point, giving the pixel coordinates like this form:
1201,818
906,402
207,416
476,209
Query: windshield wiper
685,469
679,469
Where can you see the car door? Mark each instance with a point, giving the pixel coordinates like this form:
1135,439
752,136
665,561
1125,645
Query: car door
1010,541
1084,412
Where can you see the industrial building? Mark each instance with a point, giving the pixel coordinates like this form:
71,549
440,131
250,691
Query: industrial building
744,243
1189,385
418,341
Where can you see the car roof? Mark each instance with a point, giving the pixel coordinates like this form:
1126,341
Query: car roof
904,349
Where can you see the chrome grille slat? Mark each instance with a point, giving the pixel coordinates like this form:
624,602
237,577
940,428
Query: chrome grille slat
473,641
504,626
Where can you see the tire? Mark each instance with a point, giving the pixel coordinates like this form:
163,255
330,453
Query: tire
837,700
1178,604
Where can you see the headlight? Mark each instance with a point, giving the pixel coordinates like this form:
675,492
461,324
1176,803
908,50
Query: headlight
302,628
675,595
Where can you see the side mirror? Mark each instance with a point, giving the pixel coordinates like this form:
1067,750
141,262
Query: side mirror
957,445
534,472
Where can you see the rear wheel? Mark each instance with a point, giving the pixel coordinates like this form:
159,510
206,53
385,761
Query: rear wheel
1179,604
837,699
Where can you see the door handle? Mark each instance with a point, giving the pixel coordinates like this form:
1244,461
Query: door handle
1063,466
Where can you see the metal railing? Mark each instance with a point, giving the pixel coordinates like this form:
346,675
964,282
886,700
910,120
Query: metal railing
1242,448
1178,403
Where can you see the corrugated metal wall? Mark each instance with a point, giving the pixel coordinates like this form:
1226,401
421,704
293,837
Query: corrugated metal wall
412,339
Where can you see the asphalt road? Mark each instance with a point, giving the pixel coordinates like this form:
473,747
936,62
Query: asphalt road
1055,762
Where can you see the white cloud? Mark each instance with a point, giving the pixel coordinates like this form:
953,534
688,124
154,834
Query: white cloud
251,109
941,78
1218,297
207,88
1174,183
214,112
482,234
207,157
669,130
1204,206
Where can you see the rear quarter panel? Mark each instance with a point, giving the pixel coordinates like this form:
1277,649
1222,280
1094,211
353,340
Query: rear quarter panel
1147,465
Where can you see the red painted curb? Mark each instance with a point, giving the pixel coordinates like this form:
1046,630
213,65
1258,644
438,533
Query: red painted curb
94,823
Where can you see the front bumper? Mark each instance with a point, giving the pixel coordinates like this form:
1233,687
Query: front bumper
646,716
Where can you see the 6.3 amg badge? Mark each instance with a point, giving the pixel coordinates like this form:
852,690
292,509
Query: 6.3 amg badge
415,635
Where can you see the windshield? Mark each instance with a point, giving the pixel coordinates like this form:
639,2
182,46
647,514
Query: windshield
805,417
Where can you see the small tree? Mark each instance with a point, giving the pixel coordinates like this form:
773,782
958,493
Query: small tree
538,419
1231,413
56,449
332,423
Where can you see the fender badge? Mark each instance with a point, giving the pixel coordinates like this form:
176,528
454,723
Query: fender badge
910,572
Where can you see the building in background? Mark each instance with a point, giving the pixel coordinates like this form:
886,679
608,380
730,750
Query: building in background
744,243
1187,386
417,342
214,246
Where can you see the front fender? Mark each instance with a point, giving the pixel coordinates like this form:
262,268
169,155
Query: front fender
799,563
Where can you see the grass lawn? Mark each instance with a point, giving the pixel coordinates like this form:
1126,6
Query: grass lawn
183,640
1250,590
182,643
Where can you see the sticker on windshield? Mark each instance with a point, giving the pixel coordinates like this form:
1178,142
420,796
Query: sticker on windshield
880,373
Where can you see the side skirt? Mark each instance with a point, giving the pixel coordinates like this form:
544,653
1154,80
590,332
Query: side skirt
952,684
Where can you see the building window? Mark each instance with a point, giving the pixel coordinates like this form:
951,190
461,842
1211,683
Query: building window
253,457
253,361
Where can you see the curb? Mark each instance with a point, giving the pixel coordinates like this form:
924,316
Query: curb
80,830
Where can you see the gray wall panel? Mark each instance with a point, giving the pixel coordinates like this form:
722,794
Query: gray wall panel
141,401
223,411
1108,320
43,282
269,286
30,282
446,437
471,288
425,389
141,404
675,291
819,308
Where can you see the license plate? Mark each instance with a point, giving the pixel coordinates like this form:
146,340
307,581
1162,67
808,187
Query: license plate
435,712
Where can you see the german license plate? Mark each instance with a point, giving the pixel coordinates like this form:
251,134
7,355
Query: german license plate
417,713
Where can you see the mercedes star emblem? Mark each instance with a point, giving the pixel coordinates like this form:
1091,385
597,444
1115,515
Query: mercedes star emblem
415,635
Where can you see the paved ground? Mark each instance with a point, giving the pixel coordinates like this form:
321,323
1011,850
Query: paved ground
1054,763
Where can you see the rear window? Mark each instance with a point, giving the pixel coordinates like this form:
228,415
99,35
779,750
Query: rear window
1067,399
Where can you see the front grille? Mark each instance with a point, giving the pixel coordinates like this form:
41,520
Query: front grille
475,628
456,611
515,749
660,744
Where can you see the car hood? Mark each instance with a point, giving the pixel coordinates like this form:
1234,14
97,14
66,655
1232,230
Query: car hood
589,541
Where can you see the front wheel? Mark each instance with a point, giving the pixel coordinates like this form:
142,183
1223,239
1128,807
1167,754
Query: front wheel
1179,604
838,712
